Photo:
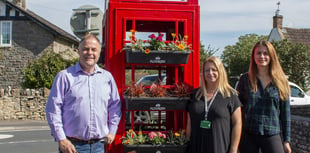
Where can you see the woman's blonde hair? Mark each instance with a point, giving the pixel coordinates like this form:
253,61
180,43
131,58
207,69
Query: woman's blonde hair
223,86
275,70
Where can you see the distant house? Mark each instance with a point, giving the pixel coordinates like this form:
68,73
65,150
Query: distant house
24,36
291,34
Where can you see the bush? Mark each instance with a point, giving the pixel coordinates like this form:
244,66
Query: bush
41,72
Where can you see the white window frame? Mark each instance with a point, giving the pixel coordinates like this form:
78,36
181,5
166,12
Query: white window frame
3,31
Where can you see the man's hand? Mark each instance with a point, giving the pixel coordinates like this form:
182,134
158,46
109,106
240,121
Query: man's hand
66,146
110,138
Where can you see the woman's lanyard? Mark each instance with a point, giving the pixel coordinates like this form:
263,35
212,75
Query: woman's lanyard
207,108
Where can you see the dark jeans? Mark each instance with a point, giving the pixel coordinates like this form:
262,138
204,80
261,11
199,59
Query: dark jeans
266,144
97,147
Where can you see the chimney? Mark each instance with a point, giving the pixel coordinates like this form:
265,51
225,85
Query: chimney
277,21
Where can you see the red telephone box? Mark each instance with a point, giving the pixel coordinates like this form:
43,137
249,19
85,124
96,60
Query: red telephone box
181,17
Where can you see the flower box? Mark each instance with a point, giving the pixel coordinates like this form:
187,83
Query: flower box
157,57
156,103
149,148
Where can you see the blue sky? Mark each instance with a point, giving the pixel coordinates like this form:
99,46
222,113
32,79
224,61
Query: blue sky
221,21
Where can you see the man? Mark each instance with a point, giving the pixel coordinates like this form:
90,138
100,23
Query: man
84,105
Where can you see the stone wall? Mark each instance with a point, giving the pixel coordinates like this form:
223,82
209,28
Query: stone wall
29,41
300,134
301,110
23,104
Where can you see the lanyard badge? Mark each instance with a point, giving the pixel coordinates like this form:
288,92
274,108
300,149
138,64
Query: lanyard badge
206,124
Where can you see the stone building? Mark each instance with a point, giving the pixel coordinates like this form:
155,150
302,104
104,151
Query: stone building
24,37
294,35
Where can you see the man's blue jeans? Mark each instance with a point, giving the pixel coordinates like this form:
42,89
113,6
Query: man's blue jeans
97,147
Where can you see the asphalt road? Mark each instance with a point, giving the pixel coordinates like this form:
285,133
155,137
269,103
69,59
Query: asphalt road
26,137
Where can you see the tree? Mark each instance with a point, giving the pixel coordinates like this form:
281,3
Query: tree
294,58
236,58
295,61
206,52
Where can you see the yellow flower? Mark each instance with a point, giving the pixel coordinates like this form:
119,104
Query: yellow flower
132,31
185,37
177,134
181,46
173,35
130,130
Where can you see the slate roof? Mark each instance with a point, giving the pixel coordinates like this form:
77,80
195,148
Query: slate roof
296,35
44,23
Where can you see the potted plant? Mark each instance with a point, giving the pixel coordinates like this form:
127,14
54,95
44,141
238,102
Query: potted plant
156,51
155,141
156,97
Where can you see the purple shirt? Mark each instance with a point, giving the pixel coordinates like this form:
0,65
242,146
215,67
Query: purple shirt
83,106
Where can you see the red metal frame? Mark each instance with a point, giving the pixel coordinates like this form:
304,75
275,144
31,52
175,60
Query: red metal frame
114,32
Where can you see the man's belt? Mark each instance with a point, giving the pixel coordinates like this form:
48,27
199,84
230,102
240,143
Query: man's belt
91,141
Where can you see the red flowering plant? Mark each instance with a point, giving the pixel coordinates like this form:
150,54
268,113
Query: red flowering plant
157,90
156,42
136,90
156,138
180,90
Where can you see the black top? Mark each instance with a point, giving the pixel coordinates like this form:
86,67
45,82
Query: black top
217,139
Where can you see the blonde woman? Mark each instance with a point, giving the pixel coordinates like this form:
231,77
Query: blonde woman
214,113
264,93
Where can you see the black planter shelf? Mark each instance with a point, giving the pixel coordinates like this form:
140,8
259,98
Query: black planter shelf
156,103
157,57
148,148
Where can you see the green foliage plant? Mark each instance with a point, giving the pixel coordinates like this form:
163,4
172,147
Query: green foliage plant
179,43
177,137
132,138
41,72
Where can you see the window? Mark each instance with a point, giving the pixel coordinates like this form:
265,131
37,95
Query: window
6,33
2,10
295,92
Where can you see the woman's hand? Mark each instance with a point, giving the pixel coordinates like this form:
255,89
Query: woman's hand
287,147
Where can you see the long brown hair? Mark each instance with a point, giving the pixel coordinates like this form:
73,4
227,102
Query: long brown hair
275,70
223,86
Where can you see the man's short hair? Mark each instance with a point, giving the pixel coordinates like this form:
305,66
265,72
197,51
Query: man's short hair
88,35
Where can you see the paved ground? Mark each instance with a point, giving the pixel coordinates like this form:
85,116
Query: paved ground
26,137
18,125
